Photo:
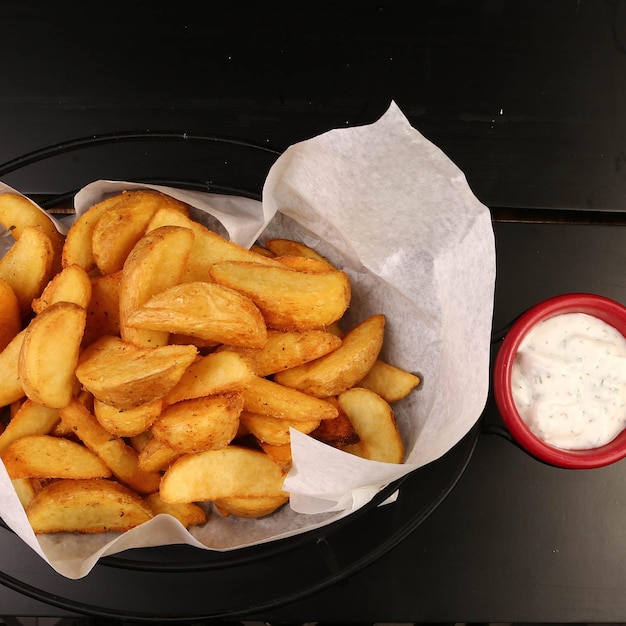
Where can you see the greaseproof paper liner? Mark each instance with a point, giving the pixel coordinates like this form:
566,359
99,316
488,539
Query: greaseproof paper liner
389,208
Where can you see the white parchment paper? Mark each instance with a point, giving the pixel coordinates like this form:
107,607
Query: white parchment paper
388,207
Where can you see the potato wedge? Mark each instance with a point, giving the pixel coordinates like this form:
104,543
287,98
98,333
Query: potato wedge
338,432
209,247
119,228
288,299
10,315
103,311
28,265
18,212
49,354
11,389
127,422
284,350
187,513
157,262
44,456
125,375
215,373
251,506
207,423
305,264
374,421
78,249
29,419
266,397
205,310
157,455
215,474
25,490
275,430
389,382
72,284
281,455
86,506
342,368
120,457
290,247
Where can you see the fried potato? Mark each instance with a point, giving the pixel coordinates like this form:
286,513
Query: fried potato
86,506
215,373
28,265
281,455
120,457
78,249
250,506
127,422
10,315
49,354
44,456
305,264
157,455
25,490
374,421
118,229
337,432
125,375
292,248
342,368
215,474
389,382
208,248
275,430
288,299
207,423
103,311
18,213
187,513
30,419
205,310
266,397
72,284
157,262
286,349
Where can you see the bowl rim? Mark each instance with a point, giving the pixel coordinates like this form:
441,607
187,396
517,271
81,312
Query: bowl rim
601,307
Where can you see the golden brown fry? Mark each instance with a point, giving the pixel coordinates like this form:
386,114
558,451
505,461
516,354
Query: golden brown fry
290,247
187,513
389,382
157,455
250,506
284,350
288,299
281,455
30,419
157,262
215,373
134,375
338,432
28,265
127,422
103,311
207,423
215,474
342,368
18,212
275,430
204,310
49,354
374,421
86,506
44,456
118,229
72,284
269,398
10,315
118,456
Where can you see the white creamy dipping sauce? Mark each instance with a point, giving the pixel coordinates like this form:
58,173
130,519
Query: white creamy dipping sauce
569,381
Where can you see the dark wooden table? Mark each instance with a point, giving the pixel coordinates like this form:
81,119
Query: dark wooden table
527,97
